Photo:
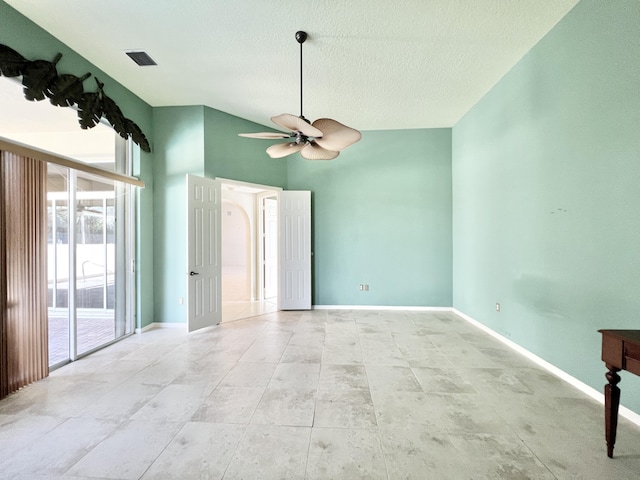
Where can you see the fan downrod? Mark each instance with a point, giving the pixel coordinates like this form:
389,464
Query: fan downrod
301,37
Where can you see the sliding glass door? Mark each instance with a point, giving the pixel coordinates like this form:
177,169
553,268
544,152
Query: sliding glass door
89,251
90,224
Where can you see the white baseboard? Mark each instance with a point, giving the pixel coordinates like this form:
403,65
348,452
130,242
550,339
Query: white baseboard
583,387
154,325
381,307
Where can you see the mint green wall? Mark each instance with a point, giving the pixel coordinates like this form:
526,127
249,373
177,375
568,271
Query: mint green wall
546,175
34,43
237,158
382,217
143,168
179,150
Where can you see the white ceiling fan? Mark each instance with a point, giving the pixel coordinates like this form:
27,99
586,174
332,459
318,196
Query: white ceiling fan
323,139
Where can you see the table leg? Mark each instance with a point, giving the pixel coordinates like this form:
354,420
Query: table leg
611,404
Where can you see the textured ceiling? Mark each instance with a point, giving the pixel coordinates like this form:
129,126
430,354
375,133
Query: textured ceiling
370,64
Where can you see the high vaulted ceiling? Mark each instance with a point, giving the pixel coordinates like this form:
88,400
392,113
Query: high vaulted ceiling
371,64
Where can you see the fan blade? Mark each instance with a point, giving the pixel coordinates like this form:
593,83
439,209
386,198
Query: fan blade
335,135
265,135
315,152
280,150
296,124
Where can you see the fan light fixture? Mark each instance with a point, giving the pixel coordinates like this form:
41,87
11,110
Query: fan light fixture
323,139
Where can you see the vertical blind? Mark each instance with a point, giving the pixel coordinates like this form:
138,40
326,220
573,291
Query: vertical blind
23,273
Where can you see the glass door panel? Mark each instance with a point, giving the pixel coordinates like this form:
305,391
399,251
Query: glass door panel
58,264
95,262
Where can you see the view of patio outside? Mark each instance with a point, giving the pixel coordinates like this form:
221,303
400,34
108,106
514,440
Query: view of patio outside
95,241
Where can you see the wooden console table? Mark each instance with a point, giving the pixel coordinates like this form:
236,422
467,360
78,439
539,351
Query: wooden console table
620,351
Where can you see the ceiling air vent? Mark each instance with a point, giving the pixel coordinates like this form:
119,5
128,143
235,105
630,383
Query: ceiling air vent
141,58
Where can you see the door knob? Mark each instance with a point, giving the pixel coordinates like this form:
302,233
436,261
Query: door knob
193,273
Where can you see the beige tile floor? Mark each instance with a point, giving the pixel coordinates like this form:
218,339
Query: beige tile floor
310,395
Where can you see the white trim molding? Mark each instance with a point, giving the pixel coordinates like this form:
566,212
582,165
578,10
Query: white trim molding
583,387
154,325
381,307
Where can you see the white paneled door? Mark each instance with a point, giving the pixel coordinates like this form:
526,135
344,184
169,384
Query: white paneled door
270,245
204,267
295,250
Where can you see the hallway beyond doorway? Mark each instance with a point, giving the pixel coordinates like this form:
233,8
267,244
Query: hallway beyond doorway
235,304
238,310
249,253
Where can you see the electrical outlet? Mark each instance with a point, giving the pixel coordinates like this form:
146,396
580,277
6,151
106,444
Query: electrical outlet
361,287
497,307
180,300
